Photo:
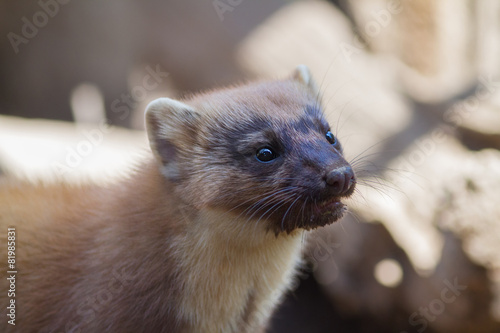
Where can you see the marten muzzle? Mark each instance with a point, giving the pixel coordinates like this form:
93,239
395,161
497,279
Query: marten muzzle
321,179
340,181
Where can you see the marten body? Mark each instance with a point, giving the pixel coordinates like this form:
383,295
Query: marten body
205,237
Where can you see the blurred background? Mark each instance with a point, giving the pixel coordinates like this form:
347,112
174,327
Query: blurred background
412,88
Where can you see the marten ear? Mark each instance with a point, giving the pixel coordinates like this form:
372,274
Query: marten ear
171,127
303,75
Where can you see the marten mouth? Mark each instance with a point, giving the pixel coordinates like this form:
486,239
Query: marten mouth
325,213
327,208
307,216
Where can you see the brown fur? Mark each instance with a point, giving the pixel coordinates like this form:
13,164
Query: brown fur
183,244
71,246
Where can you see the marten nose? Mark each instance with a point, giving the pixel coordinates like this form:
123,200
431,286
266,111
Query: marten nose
340,180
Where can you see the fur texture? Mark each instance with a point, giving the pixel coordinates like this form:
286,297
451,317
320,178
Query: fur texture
204,237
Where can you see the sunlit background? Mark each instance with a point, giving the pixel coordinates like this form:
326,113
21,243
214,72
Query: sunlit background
411,87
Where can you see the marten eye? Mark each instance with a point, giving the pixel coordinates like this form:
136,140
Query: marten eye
331,138
266,154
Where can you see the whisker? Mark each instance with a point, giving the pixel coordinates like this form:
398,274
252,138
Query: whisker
353,160
303,208
286,213
265,195
275,207
279,197
355,216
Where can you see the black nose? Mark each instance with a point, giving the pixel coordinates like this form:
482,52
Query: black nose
340,180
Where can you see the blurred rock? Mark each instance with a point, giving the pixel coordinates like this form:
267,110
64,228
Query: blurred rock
442,46
442,186
107,44
478,121
359,91
413,141
408,102
50,150
343,258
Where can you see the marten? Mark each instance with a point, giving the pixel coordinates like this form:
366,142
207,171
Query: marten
203,236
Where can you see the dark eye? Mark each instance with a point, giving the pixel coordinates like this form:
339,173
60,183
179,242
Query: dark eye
331,138
266,154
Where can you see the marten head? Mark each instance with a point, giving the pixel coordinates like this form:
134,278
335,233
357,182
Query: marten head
262,151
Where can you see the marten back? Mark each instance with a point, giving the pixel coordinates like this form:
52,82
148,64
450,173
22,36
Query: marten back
83,255
204,237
